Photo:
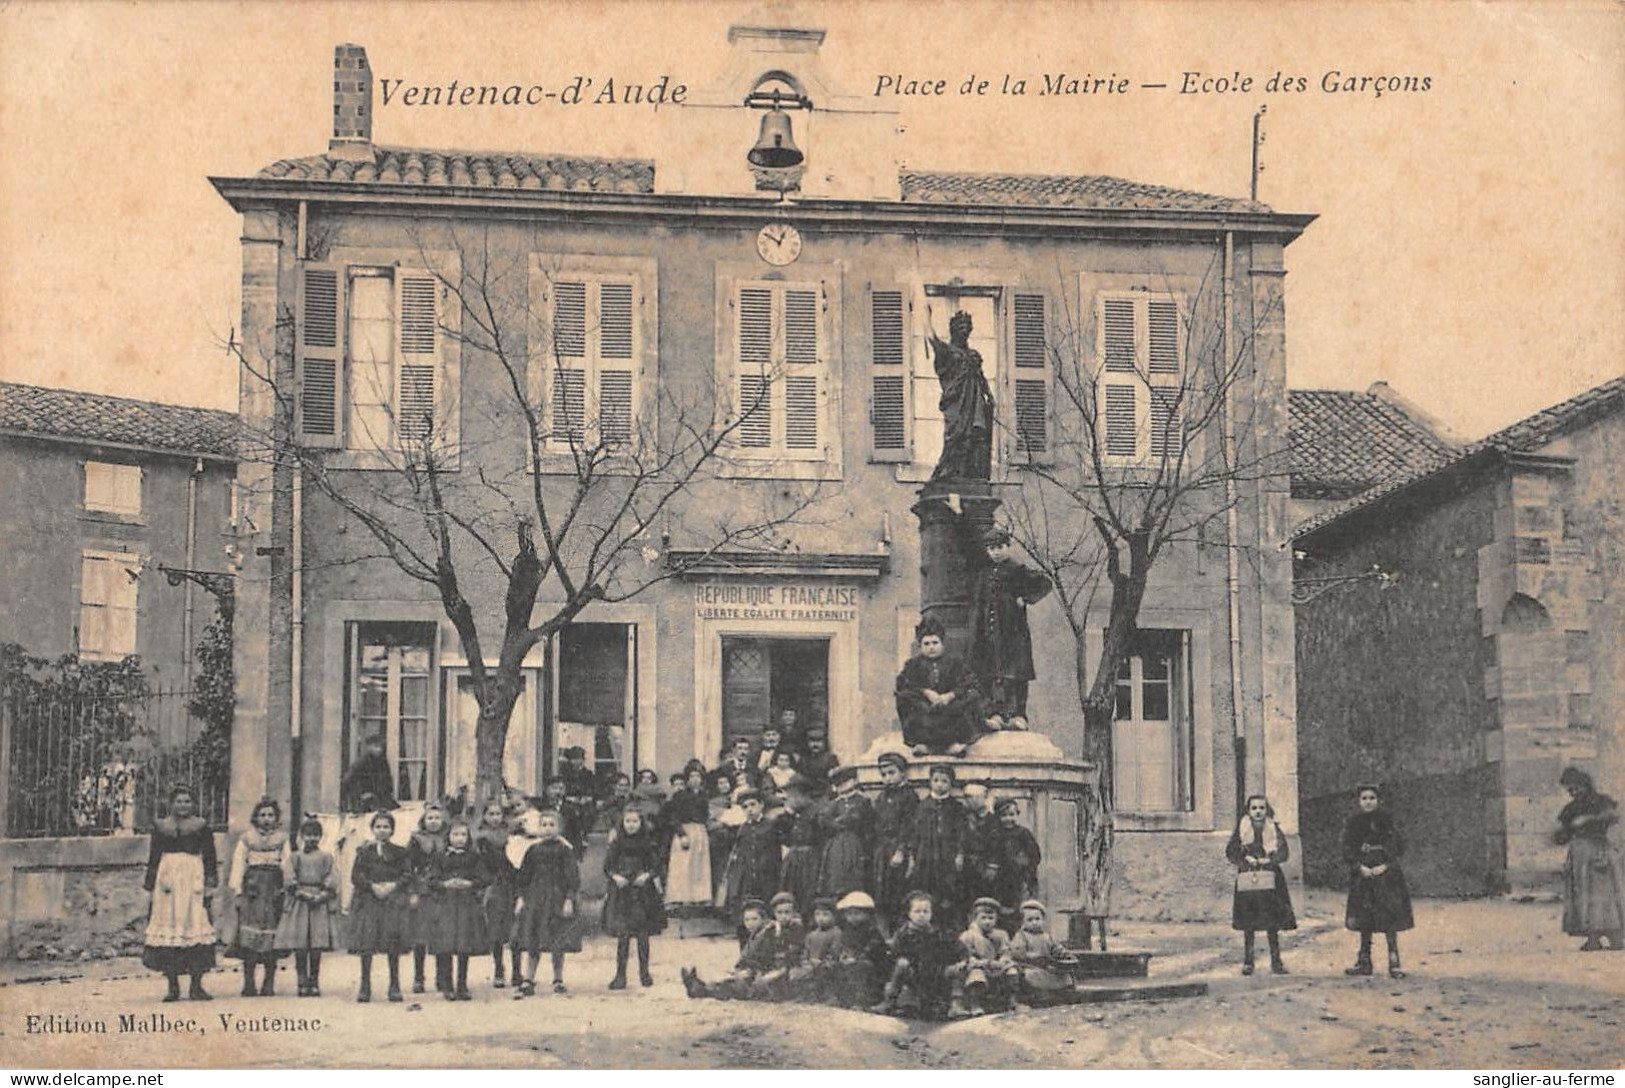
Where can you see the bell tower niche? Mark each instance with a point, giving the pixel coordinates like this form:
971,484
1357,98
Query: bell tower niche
772,122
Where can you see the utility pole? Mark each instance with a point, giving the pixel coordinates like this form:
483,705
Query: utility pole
1258,142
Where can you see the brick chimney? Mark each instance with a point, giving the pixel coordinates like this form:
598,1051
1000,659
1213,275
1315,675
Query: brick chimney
352,104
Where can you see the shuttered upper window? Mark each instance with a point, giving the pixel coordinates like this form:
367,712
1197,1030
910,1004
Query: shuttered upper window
373,357
108,597
1142,380
1009,331
113,489
781,371
592,361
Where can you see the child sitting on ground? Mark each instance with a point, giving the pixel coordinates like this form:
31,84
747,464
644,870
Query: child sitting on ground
737,983
863,962
986,975
922,956
777,951
813,978
1043,961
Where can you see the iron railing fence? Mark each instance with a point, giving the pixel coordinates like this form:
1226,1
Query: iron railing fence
99,764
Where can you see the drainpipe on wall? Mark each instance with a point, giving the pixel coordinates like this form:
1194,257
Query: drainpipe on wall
191,564
296,700
1232,579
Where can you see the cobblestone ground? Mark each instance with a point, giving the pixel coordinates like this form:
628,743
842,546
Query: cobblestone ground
1493,985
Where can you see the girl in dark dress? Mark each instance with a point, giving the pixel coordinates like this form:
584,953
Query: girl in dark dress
894,811
459,876
847,820
1258,849
939,847
256,885
491,843
423,854
549,878
804,831
1379,899
1593,900
378,919
181,876
633,904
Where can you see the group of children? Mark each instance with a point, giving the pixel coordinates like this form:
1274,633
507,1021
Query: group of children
807,842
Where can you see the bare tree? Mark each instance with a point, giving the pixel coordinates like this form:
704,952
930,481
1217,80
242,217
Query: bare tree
1154,444
526,475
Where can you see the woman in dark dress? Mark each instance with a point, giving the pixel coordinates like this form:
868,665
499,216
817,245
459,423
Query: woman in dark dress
633,900
847,820
181,876
1593,901
1379,899
1258,849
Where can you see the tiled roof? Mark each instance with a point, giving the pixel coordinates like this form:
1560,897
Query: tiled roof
474,170
1061,191
1522,437
1343,443
92,417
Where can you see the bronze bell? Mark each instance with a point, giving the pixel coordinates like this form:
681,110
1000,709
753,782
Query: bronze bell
775,147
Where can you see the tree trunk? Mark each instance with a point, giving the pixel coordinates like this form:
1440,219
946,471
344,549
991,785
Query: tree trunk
1097,811
491,737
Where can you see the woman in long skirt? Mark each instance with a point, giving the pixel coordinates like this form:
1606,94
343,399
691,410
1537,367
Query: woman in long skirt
1593,900
1258,849
688,870
1379,899
309,923
182,873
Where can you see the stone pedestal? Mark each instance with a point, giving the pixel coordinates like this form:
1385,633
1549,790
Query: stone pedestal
953,515
1030,768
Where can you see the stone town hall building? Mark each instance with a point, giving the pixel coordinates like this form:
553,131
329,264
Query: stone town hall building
672,274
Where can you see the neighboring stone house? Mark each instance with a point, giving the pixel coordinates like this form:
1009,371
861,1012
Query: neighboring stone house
100,493
669,275
1344,443
1488,662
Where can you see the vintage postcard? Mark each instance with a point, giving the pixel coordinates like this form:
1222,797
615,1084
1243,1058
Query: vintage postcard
882,536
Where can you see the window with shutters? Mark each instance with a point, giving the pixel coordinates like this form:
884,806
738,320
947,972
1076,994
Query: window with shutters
376,367
1151,735
109,585
781,371
1009,330
390,671
590,392
1141,385
113,489
592,361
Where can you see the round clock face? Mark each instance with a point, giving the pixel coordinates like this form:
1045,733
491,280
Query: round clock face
778,243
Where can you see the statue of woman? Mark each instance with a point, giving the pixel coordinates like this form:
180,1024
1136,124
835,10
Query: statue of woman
967,404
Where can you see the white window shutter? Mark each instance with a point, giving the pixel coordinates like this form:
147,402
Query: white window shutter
567,363
1032,377
1163,336
417,311
888,389
616,362
320,355
753,354
1117,335
1120,432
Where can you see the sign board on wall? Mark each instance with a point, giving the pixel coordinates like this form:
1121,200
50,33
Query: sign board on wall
800,601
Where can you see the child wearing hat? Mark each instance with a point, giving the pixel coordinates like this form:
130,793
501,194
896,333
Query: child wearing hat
936,696
863,959
940,845
753,863
894,808
1010,858
778,951
985,974
846,821
1043,962
1000,642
